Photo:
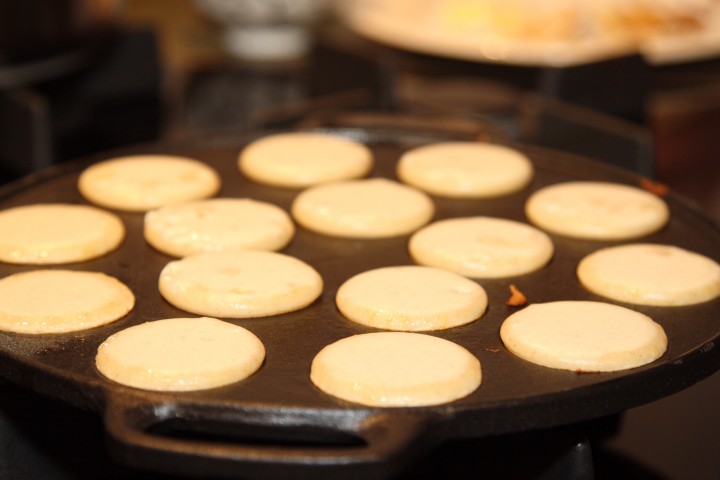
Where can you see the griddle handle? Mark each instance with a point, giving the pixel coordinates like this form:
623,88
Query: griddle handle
385,439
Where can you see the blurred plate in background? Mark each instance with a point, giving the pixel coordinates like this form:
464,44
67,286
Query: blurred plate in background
553,34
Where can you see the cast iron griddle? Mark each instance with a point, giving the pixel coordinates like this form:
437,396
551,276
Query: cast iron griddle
277,422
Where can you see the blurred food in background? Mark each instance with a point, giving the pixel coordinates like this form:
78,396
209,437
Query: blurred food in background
545,32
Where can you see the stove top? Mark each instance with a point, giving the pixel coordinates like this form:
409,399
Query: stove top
57,121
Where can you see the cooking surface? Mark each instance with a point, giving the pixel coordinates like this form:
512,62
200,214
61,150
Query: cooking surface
515,395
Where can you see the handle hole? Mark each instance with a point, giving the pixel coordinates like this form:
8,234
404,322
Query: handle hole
256,435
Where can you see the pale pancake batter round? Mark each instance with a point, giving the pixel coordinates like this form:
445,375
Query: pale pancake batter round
59,301
143,182
481,247
396,369
302,159
243,284
465,169
372,208
583,336
57,233
218,225
180,354
597,210
650,274
411,298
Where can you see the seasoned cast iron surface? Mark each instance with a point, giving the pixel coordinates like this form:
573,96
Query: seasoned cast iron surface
279,401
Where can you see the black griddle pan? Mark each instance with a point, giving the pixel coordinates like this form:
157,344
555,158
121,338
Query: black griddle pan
276,423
